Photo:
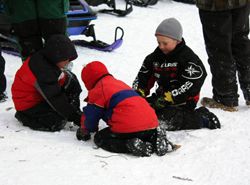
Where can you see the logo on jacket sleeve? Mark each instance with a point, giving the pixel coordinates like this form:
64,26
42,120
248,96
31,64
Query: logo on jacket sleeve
183,89
193,71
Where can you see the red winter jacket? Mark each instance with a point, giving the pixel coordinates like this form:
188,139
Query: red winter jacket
24,93
115,102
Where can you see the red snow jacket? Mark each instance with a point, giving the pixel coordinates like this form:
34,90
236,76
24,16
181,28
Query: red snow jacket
115,102
24,93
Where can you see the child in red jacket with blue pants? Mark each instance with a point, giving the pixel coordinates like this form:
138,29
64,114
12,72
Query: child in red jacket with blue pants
132,123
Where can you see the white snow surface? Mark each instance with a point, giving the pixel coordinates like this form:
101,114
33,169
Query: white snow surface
207,157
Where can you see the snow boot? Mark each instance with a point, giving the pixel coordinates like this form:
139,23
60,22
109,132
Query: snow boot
210,120
139,148
211,103
161,145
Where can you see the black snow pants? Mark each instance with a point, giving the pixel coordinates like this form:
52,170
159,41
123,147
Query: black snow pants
179,118
228,48
42,117
35,20
117,142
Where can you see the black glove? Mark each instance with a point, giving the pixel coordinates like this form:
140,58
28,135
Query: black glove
83,134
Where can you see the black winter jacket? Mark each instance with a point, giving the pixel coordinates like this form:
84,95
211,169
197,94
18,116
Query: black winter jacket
181,72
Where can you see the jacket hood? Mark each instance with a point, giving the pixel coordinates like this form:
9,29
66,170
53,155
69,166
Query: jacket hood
59,48
92,73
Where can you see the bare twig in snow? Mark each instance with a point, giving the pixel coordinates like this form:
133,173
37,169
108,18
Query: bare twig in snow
22,160
19,130
111,156
182,178
9,108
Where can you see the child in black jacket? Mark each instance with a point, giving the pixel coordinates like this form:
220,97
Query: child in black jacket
180,75
46,95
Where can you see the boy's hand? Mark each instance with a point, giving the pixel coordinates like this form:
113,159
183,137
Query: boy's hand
83,134
160,103
164,100
168,97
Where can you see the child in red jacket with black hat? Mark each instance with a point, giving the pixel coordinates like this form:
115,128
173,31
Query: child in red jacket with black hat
132,123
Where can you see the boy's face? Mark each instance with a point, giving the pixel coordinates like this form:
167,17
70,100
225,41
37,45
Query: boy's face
166,44
62,64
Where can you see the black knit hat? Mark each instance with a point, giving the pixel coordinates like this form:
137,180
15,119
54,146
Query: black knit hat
59,48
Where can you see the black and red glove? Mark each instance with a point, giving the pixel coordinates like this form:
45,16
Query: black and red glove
82,133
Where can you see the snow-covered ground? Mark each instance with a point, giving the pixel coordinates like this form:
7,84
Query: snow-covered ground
207,157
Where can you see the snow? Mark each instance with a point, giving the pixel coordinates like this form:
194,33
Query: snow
218,157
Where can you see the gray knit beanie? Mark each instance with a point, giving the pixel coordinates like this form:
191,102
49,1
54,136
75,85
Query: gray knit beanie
170,28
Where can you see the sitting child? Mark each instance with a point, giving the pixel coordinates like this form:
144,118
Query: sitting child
45,95
180,75
132,123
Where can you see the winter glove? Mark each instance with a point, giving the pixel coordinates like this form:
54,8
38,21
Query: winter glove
159,103
163,101
82,133
168,97
141,92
